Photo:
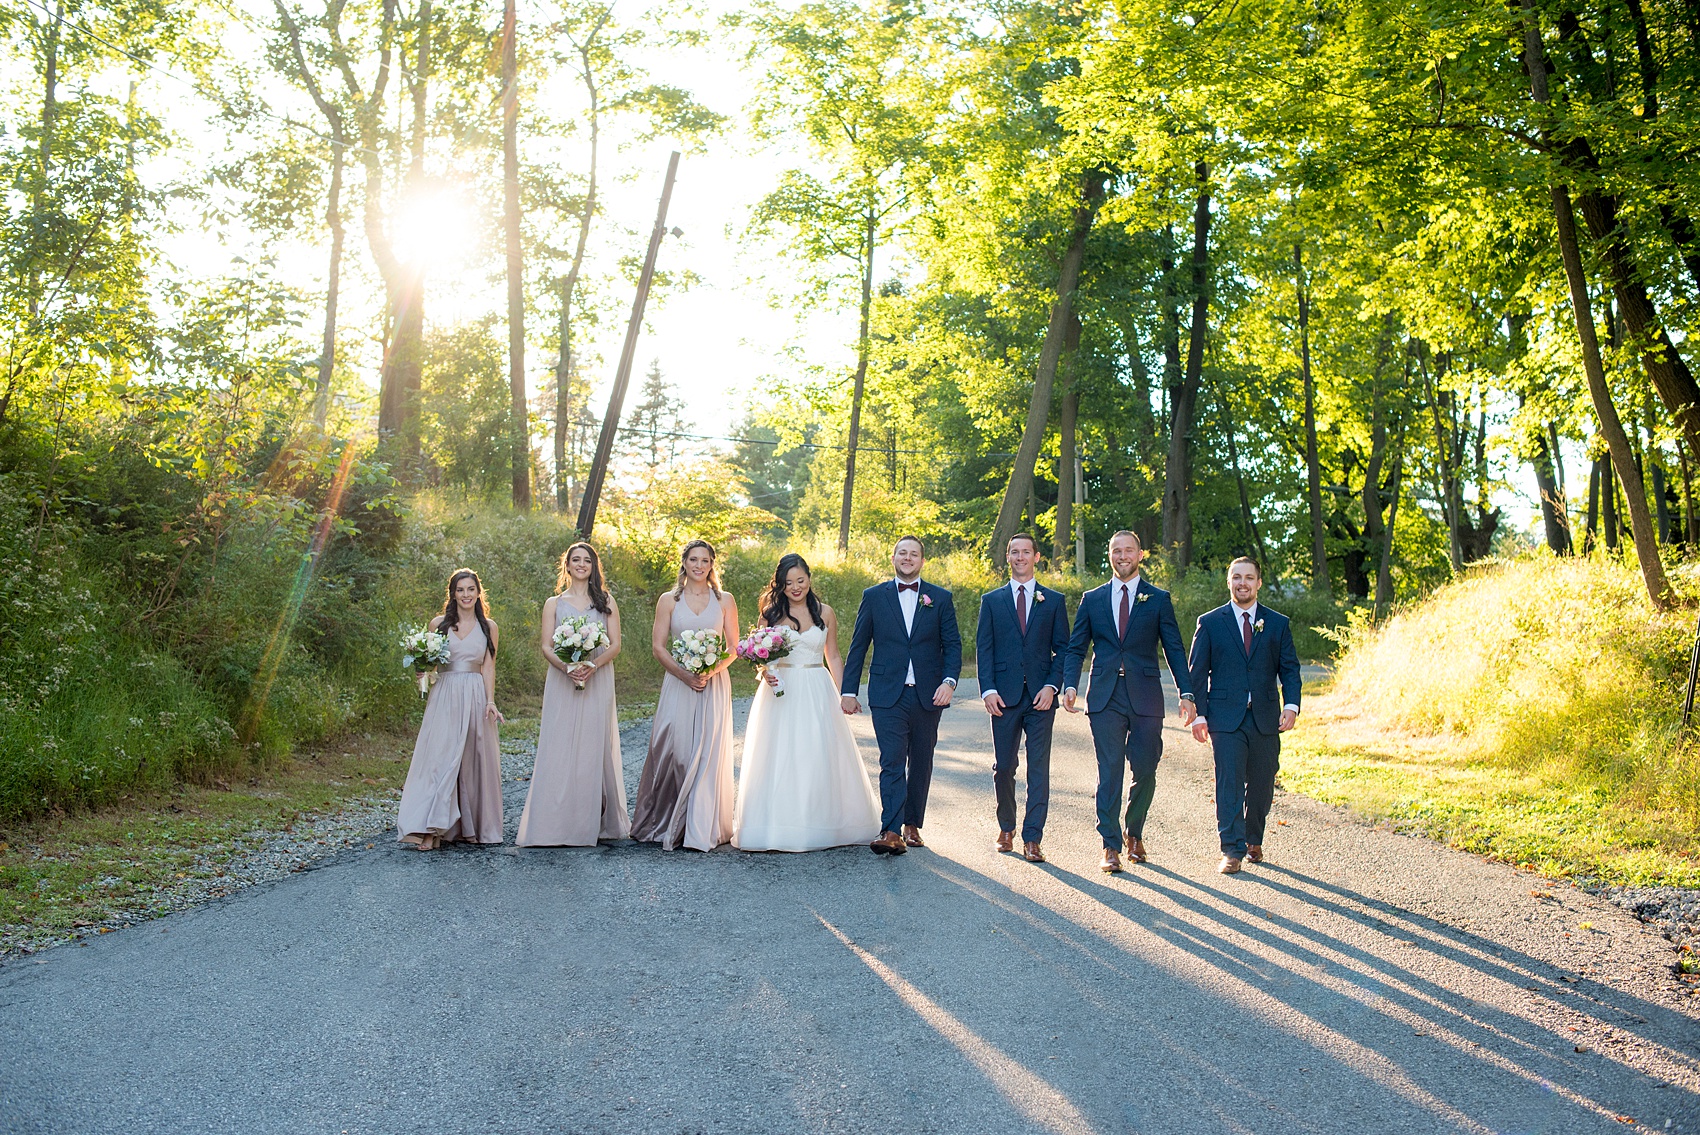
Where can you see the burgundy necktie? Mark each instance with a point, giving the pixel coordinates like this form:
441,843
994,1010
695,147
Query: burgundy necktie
1021,607
1246,626
1121,628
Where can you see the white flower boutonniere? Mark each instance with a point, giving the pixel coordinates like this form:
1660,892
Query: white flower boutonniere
1257,627
926,600
1038,596
1142,597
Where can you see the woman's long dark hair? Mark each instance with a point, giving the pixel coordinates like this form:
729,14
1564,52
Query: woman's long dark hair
776,605
564,578
451,609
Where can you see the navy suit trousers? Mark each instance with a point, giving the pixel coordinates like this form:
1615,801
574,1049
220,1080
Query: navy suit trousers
1019,717
1246,764
907,733
1125,741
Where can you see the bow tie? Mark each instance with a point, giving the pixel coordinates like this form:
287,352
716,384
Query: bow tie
916,586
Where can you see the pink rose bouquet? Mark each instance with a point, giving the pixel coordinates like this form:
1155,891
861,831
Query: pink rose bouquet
764,646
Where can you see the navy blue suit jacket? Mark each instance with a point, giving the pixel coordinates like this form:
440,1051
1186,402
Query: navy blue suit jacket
1008,659
933,645
1223,674
1150,624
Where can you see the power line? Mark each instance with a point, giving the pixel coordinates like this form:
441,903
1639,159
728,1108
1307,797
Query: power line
639,431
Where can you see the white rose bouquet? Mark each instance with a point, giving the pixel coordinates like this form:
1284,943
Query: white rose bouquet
422,651
699,651
577,638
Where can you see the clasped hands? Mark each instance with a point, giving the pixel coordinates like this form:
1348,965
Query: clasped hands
1044,700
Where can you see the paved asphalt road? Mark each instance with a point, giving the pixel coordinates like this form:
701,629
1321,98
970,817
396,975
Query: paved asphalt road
1362,981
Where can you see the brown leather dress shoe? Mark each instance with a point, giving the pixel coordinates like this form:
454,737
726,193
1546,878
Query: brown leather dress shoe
889,843
1111,863
1229,865
912,836
1254,852
1006,841
1031,853
1135,849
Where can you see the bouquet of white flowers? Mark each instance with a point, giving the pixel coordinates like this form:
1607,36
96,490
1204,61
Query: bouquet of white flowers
699,651
421,651
576,638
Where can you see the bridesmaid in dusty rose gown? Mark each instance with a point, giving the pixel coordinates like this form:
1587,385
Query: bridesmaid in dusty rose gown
454,785
578,793
685,795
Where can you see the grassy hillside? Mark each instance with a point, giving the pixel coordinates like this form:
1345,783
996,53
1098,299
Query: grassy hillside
1529,711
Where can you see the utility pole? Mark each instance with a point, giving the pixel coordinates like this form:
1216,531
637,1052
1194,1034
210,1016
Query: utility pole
1079,517
622,376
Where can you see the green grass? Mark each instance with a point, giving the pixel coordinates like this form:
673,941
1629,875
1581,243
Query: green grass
1528,712
61,873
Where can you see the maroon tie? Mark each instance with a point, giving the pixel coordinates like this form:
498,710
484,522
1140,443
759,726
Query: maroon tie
1121,628
1021,607
1246,626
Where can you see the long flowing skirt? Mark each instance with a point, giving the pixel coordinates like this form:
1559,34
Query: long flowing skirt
454,785
685,794
578,791
803,785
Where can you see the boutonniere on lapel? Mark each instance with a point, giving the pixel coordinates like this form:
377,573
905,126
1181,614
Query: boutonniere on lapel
1257,627
1038,596
1141,596
925,600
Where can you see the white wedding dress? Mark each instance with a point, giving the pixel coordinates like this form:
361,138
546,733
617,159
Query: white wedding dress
803,786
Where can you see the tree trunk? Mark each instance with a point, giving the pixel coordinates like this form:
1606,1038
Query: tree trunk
1171,332
1608,488
519,421
327,352
862,346
1177,470
1245,498
333,208
569,282
1319,581
1591,534
1446,444
1384,573
1039,408
1664,366
1062,539
1554,522
1617,442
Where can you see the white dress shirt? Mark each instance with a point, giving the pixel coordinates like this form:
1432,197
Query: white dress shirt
1015,588
908,600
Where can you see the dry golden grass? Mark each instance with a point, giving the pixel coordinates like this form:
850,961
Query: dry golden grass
1529,711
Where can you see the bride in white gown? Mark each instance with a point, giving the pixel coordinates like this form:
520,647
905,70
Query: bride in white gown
802,786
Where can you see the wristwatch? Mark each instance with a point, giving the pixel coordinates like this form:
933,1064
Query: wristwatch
951,682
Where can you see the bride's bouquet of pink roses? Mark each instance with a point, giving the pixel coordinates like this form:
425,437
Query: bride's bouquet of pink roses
764,646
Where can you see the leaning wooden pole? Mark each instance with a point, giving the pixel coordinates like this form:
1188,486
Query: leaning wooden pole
623,375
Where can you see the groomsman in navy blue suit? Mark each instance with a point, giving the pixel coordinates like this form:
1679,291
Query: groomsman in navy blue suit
1124,622
1023,633
911,626
1241,650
